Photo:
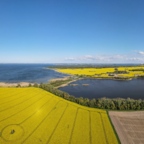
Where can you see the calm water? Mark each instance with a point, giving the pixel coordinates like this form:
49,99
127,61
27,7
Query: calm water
107,88
27,73
95,89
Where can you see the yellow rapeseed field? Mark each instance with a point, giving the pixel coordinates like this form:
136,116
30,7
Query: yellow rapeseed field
35,116
104,72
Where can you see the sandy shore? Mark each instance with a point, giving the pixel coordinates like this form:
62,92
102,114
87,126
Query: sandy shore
63,85
57,79
22,84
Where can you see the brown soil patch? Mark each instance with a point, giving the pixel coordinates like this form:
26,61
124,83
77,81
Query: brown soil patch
129,126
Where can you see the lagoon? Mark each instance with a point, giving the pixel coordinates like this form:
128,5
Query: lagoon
99,88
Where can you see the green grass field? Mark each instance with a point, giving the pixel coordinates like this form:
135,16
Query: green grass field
35,116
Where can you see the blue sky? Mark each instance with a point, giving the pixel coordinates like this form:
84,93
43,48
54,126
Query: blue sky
71,31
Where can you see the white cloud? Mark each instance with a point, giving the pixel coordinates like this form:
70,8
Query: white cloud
107,59
89,57
141,52
136,59
70,59
118,56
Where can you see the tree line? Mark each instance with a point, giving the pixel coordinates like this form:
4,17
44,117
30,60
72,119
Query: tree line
102,103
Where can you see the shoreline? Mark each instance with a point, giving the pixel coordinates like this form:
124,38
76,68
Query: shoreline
66,84
63,79
127,79
57,79
8,84
25,84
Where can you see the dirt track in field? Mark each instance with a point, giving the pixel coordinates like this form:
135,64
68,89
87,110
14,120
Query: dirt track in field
129,126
